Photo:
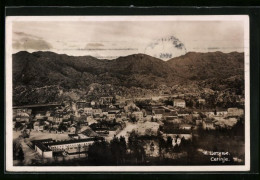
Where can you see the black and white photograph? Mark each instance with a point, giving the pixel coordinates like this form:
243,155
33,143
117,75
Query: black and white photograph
127,93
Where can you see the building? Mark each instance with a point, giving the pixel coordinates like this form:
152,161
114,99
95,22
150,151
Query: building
138,115
71,146
221,112
92,103
43,150
201,101
37,126
157,114
80,104
178,133
97,112
183,113
208,125
39,116
46,147
88,111
235,112
111,115
18,112
57,118
72,129
179,103
170,115
185,126
198,122
106,100
23,117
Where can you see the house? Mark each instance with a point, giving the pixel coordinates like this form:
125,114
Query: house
72,129
201,101
17,112
114,110
183,113
39,116
50,118
91,120
111,115
106,100
220,112
170,115
23,117
104,113
97,112
185,126
80,104
57,118
92,103
198,122
178,133
157,114
195,115
88,111
37,126
138,115
208,124
173,120
235,112
48,114
66,116
209,113
179,103
151,148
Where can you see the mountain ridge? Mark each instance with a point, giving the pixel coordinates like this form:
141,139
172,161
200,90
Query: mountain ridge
136,74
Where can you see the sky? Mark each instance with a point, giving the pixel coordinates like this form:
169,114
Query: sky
109,40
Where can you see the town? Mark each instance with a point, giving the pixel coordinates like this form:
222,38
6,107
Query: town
115,130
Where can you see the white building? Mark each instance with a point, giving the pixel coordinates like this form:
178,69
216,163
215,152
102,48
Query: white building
235,112
179,103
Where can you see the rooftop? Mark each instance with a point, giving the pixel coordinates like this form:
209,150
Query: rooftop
74,141
179,100
42,146
158,111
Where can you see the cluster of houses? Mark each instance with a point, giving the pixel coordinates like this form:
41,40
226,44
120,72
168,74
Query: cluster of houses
110,114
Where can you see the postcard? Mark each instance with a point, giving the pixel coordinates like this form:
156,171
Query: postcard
127,93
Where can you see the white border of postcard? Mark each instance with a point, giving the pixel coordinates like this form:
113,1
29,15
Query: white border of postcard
8,100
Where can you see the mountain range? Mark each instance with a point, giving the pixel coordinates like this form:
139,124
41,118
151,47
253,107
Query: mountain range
39,69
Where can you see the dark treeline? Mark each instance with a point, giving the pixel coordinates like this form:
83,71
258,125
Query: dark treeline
120,152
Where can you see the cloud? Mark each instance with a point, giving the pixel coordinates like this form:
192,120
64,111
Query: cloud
94,45
22,34
25,41
29,43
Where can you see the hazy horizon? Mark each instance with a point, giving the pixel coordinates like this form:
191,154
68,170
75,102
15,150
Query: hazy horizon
109,40
126,55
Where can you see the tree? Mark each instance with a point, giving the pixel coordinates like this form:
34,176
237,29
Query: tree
100,153
20,155
136,148
123,148
62,127
169,141
18,125
115,149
